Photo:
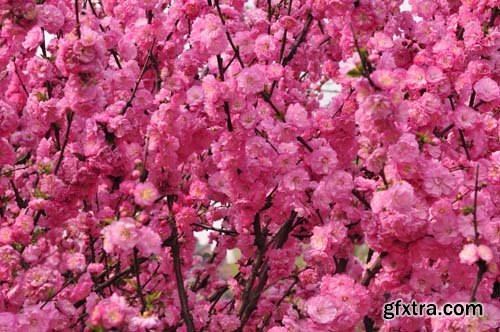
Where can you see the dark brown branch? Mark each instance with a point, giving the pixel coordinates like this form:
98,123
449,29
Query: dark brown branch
226,104
77,15
137,273
176,256
69,121
474,211
464,143
304,143
265,321
128,104
20,79
494,13
299,40
21,203
442,133
481,264
236,49
64,286
112,50
267,98
373,270
367,67
362,199
219,230
251,296
116,277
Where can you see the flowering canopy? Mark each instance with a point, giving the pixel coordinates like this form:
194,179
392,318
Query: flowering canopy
140,123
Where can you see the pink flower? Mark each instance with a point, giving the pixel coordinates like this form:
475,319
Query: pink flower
195,95
8,119
145,194
251,80
465,116
297,179
149,242
487,89
75,262
405,150
385,79
438,180
469,254
485,253
415,77
198,189
110,312
265,47
399,197
121,235
321,309
50,18
209,33
144,323
7,322
296,115
323,160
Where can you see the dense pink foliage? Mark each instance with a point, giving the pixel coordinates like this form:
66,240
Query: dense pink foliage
142,122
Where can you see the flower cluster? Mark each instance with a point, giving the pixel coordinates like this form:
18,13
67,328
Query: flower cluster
129,127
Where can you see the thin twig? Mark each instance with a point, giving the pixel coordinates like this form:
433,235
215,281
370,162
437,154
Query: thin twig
464,143
299,40
176,256
20,79
304,143
373,270
481,264
69,119
235,48
136,86
226,104
362,199
137,272
77,15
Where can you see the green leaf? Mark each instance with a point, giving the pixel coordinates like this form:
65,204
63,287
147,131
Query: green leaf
467,210
45,168
153,296
17,246
41,96
40,194
355,72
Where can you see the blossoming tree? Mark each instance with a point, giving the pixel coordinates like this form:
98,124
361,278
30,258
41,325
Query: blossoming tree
141,122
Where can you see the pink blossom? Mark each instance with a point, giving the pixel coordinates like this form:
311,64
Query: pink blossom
110,312
209,32
297,115
323,160
251,80
145,194
7,321
121,235
296,179
50,18
321,309
487,89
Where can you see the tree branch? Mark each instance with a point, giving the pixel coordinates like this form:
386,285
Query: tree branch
138,280
481,264
69,120
176,256
77,15
373,270
128,104
362,199
299,40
